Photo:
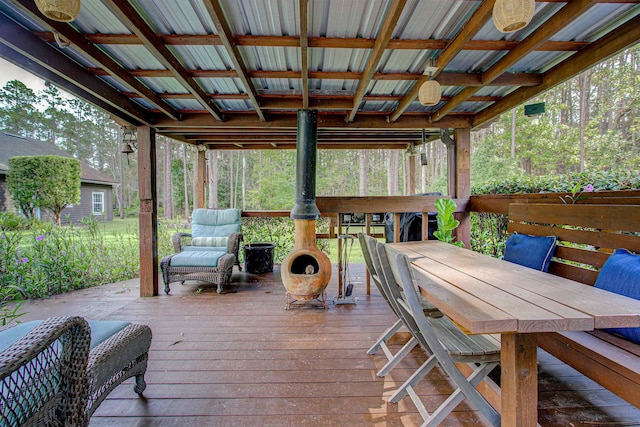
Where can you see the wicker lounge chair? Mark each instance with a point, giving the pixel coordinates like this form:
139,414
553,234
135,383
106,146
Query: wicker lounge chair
208,253
58,371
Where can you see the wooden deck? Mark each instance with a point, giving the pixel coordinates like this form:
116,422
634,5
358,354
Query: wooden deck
240,359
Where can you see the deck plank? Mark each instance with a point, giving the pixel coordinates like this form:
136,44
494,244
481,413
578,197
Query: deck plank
240,359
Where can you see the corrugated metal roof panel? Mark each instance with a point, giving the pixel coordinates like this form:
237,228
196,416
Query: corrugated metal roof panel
536,62
133,57
340,18
185,104
474,61
264,17
471,107
13,12
95,17
235,105
433,19
164,84
171,17
220,85
271,58
203,57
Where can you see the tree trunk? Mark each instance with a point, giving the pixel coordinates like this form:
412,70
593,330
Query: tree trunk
185,180
213,179
232,187
244,169
168,191
584,80
513,133
363,155
392,178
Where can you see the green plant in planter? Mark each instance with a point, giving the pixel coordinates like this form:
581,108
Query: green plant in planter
446,222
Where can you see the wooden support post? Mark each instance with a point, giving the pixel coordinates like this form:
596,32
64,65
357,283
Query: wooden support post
148,216
201,178
519,380
463,182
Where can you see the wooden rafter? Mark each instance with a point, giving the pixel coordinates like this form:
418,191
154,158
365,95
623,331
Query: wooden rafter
289,121
38,52
111,68
224,32
321,42
132,19
621,38
445,79
479,18
388,26
304,52
569,13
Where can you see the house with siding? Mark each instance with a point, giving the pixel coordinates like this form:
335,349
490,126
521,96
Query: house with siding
96,188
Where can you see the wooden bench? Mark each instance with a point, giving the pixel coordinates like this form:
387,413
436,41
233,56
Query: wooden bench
587,234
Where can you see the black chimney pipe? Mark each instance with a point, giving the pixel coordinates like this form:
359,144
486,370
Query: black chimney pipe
306,153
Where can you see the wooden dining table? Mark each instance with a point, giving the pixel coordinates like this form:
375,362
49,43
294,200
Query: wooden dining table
486,295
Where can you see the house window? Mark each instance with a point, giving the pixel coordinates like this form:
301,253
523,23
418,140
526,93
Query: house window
98,203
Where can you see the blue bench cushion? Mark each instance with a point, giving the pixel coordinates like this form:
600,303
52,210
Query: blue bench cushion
530,251
621,274
100,331
196,258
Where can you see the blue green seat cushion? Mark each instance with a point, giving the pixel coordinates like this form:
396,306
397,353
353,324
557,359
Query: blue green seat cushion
100,331
621,275
197,258
530,251
215,223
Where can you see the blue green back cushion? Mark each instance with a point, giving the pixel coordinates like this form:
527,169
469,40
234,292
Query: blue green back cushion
621,274
530,251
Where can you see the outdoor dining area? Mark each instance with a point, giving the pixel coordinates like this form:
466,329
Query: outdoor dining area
440,335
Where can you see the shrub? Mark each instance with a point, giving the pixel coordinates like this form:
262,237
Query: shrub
489,231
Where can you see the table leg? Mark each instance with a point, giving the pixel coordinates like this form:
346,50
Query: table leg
519,380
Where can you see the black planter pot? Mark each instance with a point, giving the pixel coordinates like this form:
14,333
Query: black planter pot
258,258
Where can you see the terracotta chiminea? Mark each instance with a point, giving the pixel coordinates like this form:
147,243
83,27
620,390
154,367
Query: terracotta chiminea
306,270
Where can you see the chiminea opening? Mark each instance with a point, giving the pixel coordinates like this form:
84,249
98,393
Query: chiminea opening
306,270
304,264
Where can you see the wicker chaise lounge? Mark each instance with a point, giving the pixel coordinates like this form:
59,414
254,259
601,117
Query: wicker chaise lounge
208,253
58,371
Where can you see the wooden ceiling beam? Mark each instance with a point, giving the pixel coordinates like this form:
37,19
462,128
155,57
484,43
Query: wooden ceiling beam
96,55
318,42
132,20
475,23
319,101
617,40
292,146
327,121
445,79
559,20
38,52
386,31
224,32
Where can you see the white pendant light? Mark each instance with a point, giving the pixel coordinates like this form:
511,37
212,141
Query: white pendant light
512,15
430,93
59,10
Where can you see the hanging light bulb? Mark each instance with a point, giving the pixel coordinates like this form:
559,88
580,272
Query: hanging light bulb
512,15
59,10
430,93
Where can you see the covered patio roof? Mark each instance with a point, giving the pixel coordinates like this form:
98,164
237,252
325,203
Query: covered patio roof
230,74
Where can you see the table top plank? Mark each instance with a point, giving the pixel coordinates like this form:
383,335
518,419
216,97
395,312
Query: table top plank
606,308
486,295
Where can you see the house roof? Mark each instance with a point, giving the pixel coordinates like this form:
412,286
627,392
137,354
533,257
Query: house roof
14,145
230,74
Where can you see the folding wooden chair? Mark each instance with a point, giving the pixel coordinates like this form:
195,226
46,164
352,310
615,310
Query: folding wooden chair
367,243
447,344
